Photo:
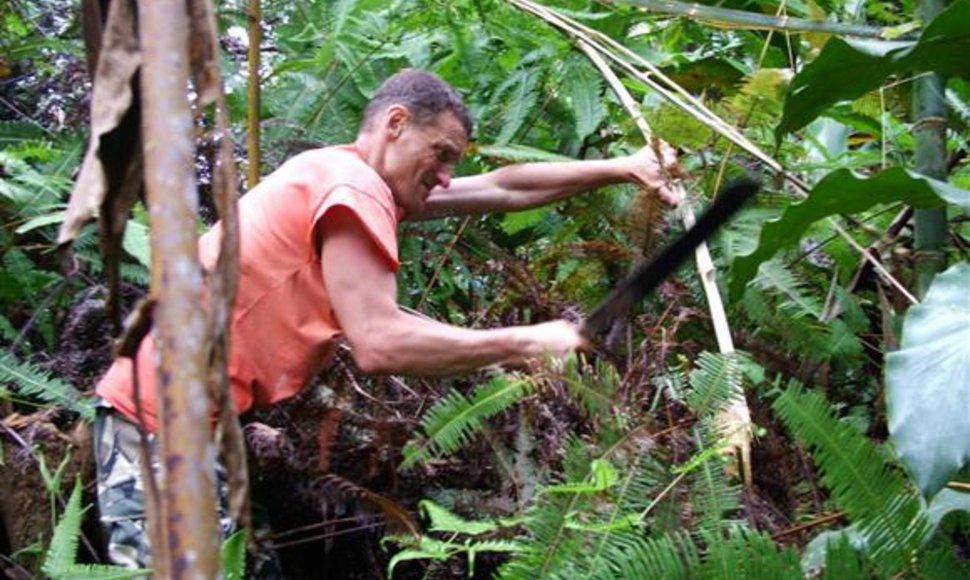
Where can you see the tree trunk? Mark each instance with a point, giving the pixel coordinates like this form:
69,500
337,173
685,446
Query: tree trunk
189,547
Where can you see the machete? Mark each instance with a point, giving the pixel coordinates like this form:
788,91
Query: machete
647,275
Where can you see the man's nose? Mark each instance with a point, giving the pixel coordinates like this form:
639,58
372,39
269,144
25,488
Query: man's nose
443,177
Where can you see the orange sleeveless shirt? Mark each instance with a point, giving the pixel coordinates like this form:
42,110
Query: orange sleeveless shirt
283,329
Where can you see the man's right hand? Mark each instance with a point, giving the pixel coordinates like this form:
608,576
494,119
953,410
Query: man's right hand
556,339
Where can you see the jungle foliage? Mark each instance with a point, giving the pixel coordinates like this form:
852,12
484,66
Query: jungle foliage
613,466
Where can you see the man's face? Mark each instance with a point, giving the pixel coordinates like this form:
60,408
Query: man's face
422,157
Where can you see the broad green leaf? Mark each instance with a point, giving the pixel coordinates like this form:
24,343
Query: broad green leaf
847,69
946,502
232,555
841,192
519,221
137,242
859,65
815,557
519,153
41,221
928,382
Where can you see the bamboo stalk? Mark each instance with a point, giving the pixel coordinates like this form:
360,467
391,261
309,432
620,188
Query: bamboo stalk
930,111
253,152
742,19
190,546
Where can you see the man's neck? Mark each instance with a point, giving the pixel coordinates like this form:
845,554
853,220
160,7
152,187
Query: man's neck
371,150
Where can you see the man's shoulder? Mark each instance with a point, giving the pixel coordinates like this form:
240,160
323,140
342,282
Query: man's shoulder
330,157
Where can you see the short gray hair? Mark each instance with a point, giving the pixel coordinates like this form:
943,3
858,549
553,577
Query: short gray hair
424,94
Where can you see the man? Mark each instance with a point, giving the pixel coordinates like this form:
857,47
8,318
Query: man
318,253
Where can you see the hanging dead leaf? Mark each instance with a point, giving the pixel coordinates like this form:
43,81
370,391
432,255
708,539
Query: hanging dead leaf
111,175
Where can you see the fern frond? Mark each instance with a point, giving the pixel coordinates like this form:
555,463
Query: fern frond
518,96
602,476
14,132
940,561
875,495
747,554
594,389
59,562
583,86
714,498
232,555
63,548
842,561
714,383
775,277
428,548
518,153
30,380
443,520
451,423
667,557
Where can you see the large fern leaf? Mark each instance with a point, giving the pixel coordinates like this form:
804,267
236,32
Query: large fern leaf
714,383
454,420
30,380
747,554
776,277
873,493
667,557
715,500
518,97
59,561
582,85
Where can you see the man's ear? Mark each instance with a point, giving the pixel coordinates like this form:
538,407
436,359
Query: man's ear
396,117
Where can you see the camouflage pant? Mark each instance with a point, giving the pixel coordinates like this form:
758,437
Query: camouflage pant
121,498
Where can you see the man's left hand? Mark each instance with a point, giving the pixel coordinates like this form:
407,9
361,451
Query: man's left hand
655,169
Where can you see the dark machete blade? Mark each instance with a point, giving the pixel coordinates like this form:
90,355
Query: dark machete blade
646,277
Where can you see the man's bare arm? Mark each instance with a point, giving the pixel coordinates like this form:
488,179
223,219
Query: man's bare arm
528,185
385,340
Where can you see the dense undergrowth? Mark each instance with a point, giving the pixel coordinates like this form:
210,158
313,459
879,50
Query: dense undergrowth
616,466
